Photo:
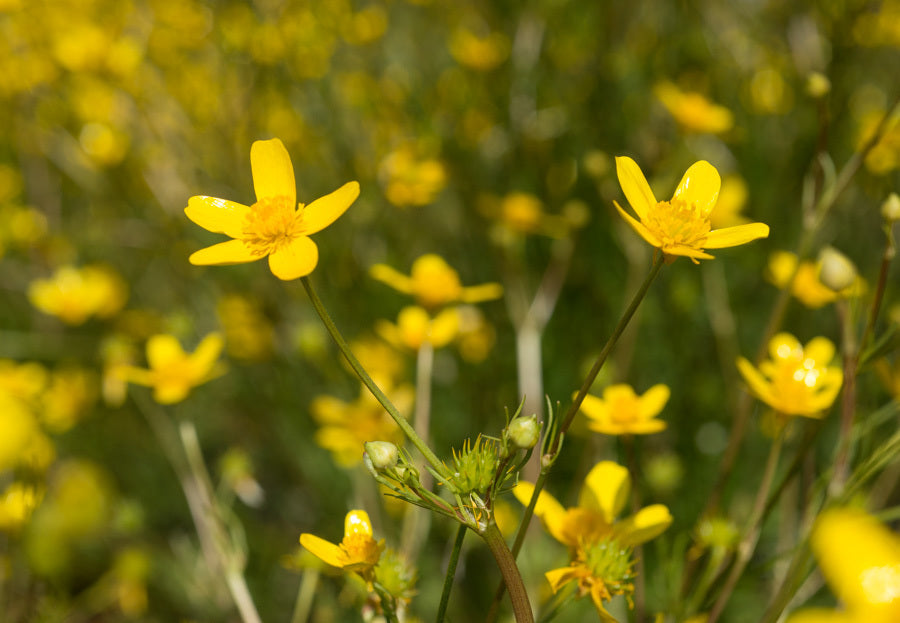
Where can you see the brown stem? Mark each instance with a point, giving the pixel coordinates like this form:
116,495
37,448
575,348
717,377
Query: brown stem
511,576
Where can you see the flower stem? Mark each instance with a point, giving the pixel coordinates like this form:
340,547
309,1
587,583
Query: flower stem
417,521
305,594
451,573
511,576
367,380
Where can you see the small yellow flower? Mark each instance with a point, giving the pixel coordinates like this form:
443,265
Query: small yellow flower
415,328
173,372
622,412
860,559
681,225
806,287
75,294
410,180
693,111
272,226
602,498
481,53
434,283
357,552
796,380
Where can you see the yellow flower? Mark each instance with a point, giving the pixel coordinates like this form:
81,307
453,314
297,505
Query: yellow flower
409,180
602,498
860,559
75,294
807,287
173,372
415,327
346,426
479,53
681,225
17,503
797,380
70,394
693,111
272,226
18,431
434,283
357,552
602,569
622,412
520,213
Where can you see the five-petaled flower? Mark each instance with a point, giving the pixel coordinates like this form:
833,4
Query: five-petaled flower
622,412
357,552
797,380
173,372
860,559
681,225
275,226
434,283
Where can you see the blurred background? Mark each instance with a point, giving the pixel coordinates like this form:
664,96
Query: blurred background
483,132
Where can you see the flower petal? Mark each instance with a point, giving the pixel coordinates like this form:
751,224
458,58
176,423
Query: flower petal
203,359
562,576
443,328
171,391
819,349
163,351
548,509
644,525
480,293
686,251
700,187
653,401
325,210
231,252
392,277
273,173
357,522
219,216
734,236
325,550
784,346
758,385
595,408
294,260
635,186
605,490
642,231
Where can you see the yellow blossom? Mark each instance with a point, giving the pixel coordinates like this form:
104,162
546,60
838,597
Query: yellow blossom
693,111
69,395
860,559
520,213
344,427
884,156
796,380
173,372
806,287
603,496
357,552
415,327
409,180
434,283
18,430
75,294
622,412
681,225
477,52
272,226
17,503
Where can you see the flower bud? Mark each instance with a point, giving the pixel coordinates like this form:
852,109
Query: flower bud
836,271
890,209
524,432
383,454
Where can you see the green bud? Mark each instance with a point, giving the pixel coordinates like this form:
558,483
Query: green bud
836,271
474,468
524,432
383,454
396,575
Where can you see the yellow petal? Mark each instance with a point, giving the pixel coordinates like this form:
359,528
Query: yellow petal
781,266
594,408
294,260
646,427
328,410
219,216
444,328
357,522
757,383
700,187
605,490
820,350
642,231
560,577
170,391
653,401
325,550
737,235
203,359
392,277
644,525
326,210
231,252
548,509
821,615
784,346
484,292
635,186
164,351
686,251
273,173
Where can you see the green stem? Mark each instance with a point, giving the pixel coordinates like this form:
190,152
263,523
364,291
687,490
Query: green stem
511,576
305,594
451,573
367,380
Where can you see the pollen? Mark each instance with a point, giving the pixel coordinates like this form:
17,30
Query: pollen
272,223
677,223
360,549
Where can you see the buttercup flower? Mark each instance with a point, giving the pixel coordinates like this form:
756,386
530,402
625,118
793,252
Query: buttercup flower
410,180
75,294
173,372
693,111
275,226
797,380
602,498
681,225
434,283
622,412
357,552
806,287
860,559
415,327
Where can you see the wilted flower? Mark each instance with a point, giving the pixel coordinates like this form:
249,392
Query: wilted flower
681,225
434,283
622,412
275,226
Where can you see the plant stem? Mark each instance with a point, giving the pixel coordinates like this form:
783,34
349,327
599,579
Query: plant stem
379,395
511,576
417,521
451,573
305,594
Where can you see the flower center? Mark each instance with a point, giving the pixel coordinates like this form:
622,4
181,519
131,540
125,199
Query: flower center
610,568
677,223
795,382
360,549
272,223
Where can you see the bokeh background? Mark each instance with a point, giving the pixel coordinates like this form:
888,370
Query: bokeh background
480,131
